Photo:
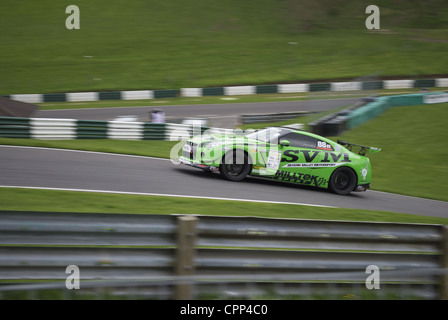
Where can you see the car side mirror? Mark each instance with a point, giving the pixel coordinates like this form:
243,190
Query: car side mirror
284,143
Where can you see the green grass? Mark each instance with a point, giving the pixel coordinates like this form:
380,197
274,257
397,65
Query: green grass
187,101
414,144
71,201
149,148
202,43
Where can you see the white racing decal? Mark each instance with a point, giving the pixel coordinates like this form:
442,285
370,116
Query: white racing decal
364,173
274,159
312,165
324,146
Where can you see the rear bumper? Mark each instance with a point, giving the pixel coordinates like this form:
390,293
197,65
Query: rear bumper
362,187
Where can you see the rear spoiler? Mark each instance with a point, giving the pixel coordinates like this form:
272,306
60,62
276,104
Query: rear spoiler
363,149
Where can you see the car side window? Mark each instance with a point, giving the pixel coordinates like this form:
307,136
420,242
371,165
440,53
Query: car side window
303,141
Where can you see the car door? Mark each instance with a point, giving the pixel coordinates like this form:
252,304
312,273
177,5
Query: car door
301,159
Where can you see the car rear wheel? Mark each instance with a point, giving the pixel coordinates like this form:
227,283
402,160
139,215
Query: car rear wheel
343,181
235,165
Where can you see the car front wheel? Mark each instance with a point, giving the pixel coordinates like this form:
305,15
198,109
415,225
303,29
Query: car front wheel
235,165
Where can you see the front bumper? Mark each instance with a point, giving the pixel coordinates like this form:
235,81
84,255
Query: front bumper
205,167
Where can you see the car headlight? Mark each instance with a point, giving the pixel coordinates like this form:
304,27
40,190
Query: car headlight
186,147
213,144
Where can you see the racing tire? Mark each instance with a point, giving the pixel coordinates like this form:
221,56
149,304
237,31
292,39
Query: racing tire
235,165
343,181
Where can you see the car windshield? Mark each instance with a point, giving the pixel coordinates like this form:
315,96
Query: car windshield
268,135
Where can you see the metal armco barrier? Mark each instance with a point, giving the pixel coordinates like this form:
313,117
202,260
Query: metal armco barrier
193,252
334,124
271,117
368,109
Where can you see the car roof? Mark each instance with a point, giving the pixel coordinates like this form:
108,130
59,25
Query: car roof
310,134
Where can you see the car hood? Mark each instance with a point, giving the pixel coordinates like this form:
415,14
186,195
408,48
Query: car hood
223,138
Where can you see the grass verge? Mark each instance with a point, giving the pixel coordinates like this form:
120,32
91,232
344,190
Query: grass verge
203,43
72,201
414,150
148,148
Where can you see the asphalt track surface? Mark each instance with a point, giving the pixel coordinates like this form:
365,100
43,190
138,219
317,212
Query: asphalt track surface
65,169
223,115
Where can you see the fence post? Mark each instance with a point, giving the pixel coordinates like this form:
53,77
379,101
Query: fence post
184,264
444,265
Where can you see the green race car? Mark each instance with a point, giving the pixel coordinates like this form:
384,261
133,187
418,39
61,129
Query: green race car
282,154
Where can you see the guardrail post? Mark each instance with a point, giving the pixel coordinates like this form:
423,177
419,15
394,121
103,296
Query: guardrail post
444,265
184,265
